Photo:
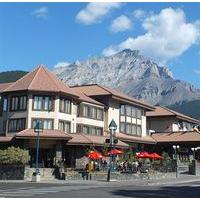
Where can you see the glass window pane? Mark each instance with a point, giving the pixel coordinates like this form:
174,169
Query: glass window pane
139,113
5,104
128,128
122,127
134,131
139,130
46,103
122,110
133,114
128,111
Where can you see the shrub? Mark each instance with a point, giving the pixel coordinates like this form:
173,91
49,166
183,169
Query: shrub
14,156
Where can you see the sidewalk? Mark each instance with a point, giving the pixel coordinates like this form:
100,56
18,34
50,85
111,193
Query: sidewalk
170,181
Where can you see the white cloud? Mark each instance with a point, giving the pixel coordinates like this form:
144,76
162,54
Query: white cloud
197,71
139,13
94,12
120,24
167,36
61,64
41,12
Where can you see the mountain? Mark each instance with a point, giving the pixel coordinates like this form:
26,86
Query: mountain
11,76
188,108
132,73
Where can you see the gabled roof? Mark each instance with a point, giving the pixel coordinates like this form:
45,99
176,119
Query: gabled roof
3,86
85,98
161,111
97,90
40,79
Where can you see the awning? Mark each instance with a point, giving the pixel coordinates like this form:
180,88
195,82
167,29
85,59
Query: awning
46,134
83,139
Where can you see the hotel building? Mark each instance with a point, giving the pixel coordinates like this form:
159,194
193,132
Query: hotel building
74,118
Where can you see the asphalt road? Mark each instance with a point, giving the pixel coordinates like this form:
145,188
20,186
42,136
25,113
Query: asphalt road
28,190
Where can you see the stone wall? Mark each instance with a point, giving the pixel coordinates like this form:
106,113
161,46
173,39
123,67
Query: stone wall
12,172
74,175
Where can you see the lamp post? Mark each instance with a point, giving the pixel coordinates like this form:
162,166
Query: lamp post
37,129
194,150
176,147
112,129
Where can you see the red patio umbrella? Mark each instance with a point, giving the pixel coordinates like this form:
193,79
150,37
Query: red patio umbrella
156,156
143,155
114,152
94,155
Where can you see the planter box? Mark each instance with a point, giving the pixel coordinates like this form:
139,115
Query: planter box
12,172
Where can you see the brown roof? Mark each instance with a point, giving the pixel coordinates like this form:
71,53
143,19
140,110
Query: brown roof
135,139
6,138
161,111
46,134
40,79
188,136
85,98
3,86
78,139
97,90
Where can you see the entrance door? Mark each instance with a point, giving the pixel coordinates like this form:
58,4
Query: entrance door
45,159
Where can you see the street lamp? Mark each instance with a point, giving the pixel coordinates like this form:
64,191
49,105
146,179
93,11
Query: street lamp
112,129
176,147
193,150
37,129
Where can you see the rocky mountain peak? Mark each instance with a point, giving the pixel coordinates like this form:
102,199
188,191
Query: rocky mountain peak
132,73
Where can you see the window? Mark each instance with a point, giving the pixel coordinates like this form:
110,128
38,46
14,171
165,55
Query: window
15,125
132,126
122,110
18,103
134,130
139,113
86,129
64,126
133,112
100,114
5,104
128,129
122,127
90,130
128,111
99,131
65,105
43,103
86,111
139,130
47,123
92,112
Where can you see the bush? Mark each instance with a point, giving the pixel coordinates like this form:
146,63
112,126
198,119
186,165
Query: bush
14,156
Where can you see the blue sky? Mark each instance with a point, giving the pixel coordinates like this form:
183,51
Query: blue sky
51,33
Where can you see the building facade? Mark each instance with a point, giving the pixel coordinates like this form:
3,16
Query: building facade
73,119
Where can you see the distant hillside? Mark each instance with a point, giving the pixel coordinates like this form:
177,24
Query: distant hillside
191,108
11,76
